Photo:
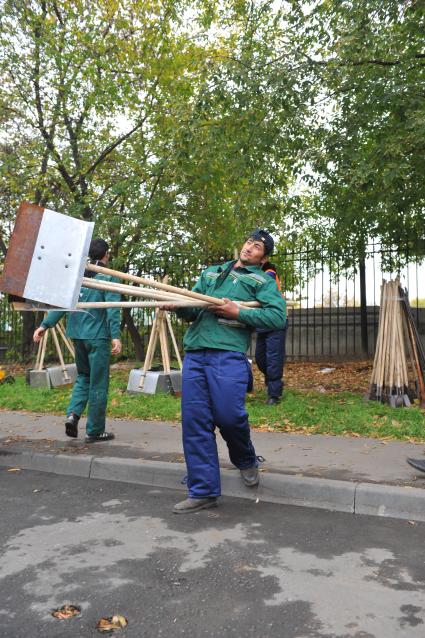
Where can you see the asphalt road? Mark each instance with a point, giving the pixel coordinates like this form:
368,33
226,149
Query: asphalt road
243,569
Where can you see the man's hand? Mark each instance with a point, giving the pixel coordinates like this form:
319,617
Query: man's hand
38,334
230,310
116,346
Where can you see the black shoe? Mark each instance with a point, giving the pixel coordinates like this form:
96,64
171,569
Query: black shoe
71,425
273,401
418,464
94,438
250,476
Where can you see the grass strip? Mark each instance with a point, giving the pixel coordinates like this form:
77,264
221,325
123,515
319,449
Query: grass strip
339,414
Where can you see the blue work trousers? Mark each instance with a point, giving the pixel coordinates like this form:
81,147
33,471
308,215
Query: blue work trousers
270,358
213,395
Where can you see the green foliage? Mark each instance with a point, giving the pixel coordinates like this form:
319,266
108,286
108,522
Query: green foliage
367,63
170,133
178,125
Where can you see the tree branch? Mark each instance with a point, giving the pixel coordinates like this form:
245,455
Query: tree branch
112,147
373,61
40,115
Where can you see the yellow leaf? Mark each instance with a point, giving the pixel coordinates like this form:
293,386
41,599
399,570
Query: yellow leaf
120,620
110,624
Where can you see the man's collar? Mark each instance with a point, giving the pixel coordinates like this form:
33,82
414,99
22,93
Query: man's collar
247,268
251,268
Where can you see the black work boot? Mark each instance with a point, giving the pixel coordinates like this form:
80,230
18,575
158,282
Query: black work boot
250,476
71,425
190,505
104,436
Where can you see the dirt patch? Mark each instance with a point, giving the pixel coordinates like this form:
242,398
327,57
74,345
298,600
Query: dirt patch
349,376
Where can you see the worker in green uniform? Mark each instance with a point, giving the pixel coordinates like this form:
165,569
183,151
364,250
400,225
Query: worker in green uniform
216,372
91,333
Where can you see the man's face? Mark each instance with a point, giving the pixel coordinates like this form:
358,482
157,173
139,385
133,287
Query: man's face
252,252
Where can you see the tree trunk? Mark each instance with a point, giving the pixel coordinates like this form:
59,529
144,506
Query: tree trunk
137,340
28,327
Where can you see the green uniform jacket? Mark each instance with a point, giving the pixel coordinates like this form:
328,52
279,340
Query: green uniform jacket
95,323
247,283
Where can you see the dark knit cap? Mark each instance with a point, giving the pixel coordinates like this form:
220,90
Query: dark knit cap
262,235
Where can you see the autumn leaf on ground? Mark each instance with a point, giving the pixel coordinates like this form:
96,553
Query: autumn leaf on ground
111,624
349,376
67,611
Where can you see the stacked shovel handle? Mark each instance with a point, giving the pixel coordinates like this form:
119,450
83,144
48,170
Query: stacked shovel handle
397,351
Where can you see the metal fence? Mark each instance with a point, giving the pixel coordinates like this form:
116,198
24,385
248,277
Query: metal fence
337,304
338,298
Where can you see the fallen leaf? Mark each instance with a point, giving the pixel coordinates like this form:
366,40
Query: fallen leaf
67,611
111,624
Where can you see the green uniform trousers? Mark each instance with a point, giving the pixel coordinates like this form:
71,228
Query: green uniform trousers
91,386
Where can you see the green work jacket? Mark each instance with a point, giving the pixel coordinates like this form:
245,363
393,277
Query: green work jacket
248,283
94,323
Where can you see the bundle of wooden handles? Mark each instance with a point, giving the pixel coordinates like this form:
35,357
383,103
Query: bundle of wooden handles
160,294
399,353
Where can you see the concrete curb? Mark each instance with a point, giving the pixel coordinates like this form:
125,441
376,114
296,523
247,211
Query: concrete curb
339,496
390,500
56,464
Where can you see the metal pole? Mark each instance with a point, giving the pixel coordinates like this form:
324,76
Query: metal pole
363,306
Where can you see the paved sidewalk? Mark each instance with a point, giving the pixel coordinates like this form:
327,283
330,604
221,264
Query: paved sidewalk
346,474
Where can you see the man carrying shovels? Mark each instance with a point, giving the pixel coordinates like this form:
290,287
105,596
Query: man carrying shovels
216,372
91,333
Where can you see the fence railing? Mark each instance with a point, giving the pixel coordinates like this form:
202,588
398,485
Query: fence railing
338,297
336,313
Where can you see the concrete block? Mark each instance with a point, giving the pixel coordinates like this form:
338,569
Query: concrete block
38,379
57,376
390,501
152,473
155,381
51,377
176,381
